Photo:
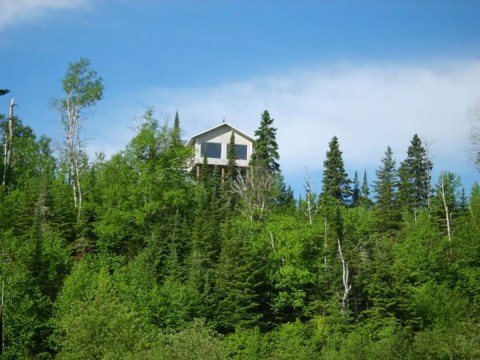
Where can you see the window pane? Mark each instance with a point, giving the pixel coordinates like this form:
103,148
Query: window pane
240,151
213,150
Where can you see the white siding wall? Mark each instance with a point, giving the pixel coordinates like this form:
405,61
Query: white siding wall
222,135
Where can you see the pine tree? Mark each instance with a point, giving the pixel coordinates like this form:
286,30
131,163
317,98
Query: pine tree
387,218
335,180
414,175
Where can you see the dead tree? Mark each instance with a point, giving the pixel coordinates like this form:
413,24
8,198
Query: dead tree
310,208
345,280
445,206
8,144
256,188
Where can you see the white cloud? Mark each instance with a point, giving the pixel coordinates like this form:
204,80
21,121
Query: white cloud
369,107
13,12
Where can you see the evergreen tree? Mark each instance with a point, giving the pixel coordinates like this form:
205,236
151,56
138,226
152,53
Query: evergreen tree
176,133
266,147
229,195
335,180
365,192
206,238
386,207
414,175
232,160
237,280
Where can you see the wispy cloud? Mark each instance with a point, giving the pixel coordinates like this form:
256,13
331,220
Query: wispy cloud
14,12
369,107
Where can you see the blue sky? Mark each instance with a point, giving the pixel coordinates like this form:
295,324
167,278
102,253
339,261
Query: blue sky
372,73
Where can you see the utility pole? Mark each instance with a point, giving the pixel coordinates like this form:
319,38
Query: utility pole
8,144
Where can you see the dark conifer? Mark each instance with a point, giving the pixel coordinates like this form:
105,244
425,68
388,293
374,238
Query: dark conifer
388,215
414,175
176,131
266,147
365,192
335,180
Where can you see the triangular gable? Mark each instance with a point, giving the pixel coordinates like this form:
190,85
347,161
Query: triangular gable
191,142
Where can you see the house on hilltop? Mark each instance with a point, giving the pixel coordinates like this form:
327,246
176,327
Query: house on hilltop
215,142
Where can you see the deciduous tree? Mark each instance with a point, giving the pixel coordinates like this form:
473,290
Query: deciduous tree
83,88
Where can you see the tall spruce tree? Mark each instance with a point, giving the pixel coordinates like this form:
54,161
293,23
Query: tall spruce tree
229,195
336,183
266,147
386,193
232,159
414,175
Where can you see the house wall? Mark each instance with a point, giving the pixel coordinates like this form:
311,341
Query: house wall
222,135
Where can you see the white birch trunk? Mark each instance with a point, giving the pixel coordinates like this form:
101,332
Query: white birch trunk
345,280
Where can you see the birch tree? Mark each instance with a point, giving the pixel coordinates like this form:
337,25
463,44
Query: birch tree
83,88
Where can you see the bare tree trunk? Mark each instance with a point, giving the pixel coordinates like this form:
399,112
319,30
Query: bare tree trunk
309,197
256,189
428,146
8,145
447,213
345,278
73,149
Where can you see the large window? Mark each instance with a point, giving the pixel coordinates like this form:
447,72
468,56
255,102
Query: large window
213,150
240,151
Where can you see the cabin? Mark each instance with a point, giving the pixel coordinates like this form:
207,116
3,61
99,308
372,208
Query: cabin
215,142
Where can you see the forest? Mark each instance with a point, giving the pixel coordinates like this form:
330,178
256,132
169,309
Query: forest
133,257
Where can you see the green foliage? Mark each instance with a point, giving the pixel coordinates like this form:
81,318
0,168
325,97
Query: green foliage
245,344
154,250
82,84
294,262
32,272
100,325
196,342
238,280
291,341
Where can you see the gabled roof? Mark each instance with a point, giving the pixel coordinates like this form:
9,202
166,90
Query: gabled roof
191,141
